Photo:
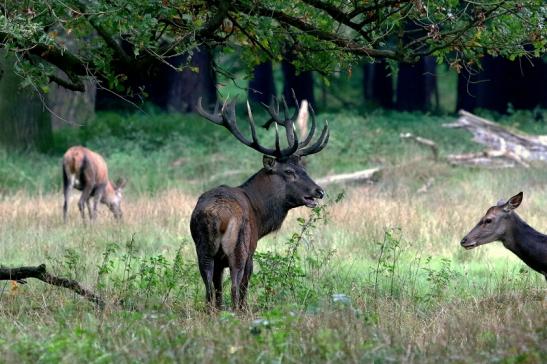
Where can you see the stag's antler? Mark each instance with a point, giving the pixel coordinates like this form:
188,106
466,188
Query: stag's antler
227,118
288,123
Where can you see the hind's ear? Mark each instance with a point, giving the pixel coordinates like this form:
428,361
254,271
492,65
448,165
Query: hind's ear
513,202
120,183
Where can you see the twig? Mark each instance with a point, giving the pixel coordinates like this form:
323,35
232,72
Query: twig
423,141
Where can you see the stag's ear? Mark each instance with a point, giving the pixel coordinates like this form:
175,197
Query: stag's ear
513,202
269,162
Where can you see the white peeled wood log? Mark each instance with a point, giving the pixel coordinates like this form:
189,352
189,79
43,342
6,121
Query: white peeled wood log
506,147
367,175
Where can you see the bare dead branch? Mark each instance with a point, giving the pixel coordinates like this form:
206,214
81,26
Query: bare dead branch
423,141
40,273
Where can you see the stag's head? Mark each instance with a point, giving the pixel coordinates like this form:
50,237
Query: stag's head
282,166
493,225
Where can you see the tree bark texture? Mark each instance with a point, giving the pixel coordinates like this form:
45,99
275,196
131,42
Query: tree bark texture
24,122
378,84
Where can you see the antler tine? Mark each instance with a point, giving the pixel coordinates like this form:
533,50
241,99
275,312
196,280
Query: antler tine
319,144
285,108
296,105
215,118
277,146
311,133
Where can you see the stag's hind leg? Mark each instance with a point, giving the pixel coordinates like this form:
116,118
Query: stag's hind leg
245,282
237,258
217,282
206,268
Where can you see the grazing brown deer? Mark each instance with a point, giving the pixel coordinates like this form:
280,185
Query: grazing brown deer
227,222
86,171
503,224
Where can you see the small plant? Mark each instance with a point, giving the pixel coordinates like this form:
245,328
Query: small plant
386,265
438,278
288,274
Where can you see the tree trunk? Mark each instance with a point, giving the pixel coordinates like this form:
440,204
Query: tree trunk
71,108
262,86
522,82
378,84
24,122
197,80
301,84
167,88
416,83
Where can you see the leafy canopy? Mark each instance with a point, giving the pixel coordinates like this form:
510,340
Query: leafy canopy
115,40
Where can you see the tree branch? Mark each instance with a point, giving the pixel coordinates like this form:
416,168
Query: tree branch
344,43
39,272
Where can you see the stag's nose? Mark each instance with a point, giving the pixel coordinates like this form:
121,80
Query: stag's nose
319,192
464,240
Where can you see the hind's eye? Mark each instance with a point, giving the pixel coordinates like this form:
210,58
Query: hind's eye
289,172
487,221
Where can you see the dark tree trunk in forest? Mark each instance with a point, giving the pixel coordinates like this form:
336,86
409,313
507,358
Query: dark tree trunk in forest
522,82
261,86
183,89
416,84
71,108
302,84
168,88
378,84
24,122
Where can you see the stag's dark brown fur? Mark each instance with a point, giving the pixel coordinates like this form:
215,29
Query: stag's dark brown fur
227,222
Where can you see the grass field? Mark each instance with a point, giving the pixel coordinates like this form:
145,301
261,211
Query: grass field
374,275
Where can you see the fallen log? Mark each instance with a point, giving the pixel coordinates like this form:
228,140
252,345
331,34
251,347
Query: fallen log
21,273
506,148
422,141
367,175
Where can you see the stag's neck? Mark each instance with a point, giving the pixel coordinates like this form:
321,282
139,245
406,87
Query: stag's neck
268,202
527,243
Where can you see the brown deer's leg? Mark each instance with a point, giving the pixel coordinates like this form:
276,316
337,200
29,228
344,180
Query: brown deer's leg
88,203
236,273
96,198
83,199
206,268
217,282
245,283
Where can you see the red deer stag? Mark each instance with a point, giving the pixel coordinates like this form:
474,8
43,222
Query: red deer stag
227,222
503,224
86,171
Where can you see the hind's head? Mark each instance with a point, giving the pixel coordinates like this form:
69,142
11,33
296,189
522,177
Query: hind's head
113,197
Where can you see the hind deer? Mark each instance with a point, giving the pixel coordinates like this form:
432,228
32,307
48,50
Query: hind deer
227,222
501,223
86,171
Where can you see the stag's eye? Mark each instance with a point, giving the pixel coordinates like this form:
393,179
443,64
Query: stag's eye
289,172
487,221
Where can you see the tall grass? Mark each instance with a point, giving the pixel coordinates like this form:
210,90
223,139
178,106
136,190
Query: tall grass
378,276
